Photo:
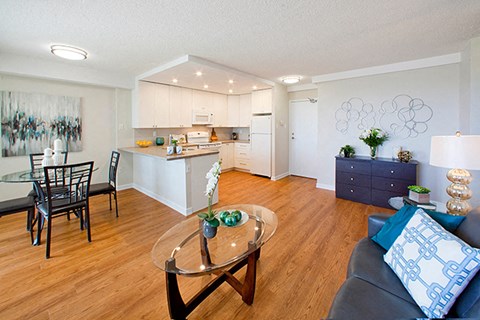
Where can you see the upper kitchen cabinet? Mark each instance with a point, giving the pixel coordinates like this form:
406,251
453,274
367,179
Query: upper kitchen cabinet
181,103
151,109
262,101
219,110
202,101
245,110
233,112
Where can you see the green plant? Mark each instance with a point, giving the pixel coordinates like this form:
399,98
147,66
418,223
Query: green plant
347,151
213,176
418,189
174,142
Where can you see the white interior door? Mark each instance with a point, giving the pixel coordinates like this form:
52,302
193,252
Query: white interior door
303,119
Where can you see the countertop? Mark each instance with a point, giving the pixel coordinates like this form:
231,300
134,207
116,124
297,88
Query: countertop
233,141
161,152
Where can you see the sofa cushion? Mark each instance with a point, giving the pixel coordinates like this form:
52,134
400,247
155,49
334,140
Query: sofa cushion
359,299
396,223
434,265
366,263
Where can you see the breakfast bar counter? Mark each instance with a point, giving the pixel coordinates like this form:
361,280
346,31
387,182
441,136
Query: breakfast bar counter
179,184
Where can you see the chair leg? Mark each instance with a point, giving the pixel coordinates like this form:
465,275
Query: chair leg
31,222
41,222
87,223
116,203
110,200
80,215
49,236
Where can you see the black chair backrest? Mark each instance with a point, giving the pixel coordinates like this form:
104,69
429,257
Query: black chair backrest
112,172
73,180
37,158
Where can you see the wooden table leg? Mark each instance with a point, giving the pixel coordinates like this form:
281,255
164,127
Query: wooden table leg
248,288
176,306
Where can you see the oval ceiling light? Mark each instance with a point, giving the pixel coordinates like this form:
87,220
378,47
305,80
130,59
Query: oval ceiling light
254,87
291,79
198,73
205,86
175,80
230,81
67,52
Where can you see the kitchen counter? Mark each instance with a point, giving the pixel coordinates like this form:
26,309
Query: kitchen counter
233,141
161,152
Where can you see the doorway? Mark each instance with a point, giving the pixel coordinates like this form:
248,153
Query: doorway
303,131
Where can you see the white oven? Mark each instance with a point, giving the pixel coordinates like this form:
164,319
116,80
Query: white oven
202,140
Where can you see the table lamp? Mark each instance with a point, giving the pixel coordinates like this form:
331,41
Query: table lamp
458,153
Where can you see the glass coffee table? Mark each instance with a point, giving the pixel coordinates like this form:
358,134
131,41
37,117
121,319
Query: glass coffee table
183,250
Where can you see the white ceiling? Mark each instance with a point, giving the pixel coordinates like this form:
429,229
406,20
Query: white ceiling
265,38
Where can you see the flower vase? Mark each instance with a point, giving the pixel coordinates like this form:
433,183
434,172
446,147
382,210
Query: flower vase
208,231
373,152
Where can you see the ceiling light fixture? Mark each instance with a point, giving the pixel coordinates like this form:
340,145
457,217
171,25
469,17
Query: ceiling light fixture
230,91
198,73
175,80
254,87
67,52
291,79
230,81
205,86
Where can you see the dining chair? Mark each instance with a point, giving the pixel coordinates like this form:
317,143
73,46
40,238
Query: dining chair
25,204
36,164
74,180
109,187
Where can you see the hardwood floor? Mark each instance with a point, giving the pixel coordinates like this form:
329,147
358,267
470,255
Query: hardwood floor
113,277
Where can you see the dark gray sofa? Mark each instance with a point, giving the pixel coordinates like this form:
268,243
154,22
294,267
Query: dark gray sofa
373,291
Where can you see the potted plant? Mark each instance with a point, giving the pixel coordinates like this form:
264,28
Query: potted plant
210,222
419,194
373,138
347,151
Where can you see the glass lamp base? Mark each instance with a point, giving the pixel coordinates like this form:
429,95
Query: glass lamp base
459,191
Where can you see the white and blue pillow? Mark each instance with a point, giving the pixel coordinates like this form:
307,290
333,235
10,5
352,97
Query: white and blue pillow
434,265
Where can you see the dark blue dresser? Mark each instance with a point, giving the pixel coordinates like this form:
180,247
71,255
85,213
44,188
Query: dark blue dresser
362,179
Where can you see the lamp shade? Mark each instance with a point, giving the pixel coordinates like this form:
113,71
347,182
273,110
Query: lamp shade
459,152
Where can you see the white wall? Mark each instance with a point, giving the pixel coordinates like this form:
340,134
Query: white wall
280,132
437,86
102,110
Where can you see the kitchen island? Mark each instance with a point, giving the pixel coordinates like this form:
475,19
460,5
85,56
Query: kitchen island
177,181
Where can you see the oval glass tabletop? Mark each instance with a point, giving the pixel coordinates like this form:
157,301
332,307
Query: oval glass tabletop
26,176
184,250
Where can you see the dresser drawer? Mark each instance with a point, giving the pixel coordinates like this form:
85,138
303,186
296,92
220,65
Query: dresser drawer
359,167
354,193
356,179
380,198
394,170
393,185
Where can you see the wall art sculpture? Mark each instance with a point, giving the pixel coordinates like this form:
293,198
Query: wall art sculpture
32,121
354,111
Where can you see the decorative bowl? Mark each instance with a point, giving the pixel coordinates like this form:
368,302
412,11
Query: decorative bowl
143,143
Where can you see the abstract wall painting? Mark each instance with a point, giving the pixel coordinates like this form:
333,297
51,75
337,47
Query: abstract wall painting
32,121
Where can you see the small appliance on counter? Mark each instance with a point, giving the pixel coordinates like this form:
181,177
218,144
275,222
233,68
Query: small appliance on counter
234,136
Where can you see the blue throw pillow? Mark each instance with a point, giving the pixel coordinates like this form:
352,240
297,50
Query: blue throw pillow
395,224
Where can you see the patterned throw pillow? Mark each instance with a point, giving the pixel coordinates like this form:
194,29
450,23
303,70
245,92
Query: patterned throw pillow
434,265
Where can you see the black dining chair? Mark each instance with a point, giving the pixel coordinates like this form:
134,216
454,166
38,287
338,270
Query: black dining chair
25,204
109,187
74,180
36,164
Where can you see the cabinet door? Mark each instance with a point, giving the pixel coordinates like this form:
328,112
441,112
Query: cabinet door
180,107
229,150
219,110
145,106
233,112
262,101
202,101
162,106
245,114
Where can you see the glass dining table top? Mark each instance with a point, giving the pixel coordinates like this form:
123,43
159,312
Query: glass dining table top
184,250
26,176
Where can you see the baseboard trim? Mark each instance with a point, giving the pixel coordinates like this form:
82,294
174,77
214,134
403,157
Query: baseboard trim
325,186
174,206
280,176
125,186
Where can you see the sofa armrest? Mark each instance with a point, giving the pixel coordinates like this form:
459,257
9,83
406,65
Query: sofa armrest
376,222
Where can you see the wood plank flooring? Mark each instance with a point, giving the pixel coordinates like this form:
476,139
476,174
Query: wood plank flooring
113,277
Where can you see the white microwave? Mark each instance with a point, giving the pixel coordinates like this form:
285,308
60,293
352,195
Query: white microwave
202,118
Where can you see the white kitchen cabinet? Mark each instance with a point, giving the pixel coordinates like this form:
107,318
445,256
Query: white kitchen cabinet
262,101
202,101
219,110
181,102
233,112
227,155
242,156
245,110
151,109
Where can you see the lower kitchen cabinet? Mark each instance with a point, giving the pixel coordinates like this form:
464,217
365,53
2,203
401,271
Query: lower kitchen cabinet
362,179
227,155
242,156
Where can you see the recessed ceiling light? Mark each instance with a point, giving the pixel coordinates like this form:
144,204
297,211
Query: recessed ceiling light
291,79
230,91
198,73
205,86
254,87
175,80
67,52
230,81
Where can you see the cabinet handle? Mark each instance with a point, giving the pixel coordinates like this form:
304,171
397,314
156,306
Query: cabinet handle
351,179
351,190
392,185
351,167
391,171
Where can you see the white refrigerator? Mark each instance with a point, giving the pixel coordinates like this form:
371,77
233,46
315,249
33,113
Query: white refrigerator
261,145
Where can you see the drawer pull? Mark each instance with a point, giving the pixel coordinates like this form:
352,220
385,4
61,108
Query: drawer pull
351,167
391,171
351,179
351,190
392,185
